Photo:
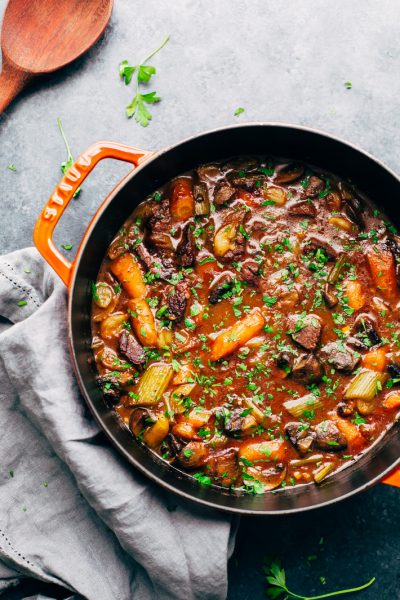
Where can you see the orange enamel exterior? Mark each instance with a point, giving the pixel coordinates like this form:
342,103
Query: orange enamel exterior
393,479
63,194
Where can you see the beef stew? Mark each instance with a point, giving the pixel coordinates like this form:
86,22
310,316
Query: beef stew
245,324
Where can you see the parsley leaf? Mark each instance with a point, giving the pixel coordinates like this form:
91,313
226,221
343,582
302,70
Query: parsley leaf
67,164
12,167
137,108
238,111
277,586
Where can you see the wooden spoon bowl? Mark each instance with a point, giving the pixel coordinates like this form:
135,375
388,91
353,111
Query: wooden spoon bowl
41,36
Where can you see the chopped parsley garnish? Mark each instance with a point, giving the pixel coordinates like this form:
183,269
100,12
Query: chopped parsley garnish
143,73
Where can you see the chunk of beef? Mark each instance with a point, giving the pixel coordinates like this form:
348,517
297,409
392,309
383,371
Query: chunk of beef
221,289
339,356
314,186
285,360
193,455
177,301
163,268
186,250
303,208
329,438
110,387
307,369
224,466
249,272
159,226
144,255
305,331
394,370
315,241
300,436
131,349
223,192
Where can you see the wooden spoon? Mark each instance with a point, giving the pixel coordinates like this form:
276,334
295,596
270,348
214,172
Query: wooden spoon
41,36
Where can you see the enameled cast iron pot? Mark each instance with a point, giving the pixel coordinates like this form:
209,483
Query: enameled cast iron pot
154,169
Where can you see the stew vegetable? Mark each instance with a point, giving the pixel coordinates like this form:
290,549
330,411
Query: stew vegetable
246,324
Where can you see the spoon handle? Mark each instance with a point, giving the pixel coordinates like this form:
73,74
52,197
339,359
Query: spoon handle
12,81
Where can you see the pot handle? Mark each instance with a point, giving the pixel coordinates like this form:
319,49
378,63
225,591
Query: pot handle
64,192
394,478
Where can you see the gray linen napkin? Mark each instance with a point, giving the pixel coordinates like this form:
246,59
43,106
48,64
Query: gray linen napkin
72,512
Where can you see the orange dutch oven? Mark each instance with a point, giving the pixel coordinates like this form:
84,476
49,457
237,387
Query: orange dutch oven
151,170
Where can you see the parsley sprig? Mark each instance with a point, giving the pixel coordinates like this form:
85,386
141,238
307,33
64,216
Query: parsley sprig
66,165
276,578
143,73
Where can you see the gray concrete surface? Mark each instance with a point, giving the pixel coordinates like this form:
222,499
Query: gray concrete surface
285,61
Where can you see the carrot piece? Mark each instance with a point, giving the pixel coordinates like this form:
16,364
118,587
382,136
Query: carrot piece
355,294
237,335
128,272
263,451
199,418
143,321
181,204
383,270
375,360
392,400
184,375
349,430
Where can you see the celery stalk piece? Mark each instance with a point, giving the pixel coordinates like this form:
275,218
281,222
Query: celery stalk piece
365,385
153,383
301,405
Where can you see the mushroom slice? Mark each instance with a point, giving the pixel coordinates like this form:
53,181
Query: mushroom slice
289,173
271,477
300,436
329,438
239,423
